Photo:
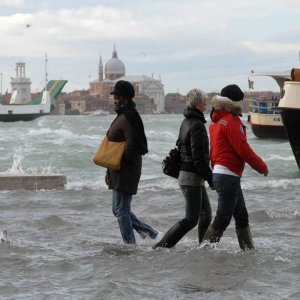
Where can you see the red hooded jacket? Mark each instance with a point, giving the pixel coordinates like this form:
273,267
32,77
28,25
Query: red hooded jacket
229,146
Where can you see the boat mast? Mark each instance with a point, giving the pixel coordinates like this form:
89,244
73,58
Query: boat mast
1,75
46,74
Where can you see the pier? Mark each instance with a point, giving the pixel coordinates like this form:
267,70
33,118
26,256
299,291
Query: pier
32,182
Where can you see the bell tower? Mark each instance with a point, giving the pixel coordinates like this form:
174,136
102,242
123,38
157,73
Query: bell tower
100,70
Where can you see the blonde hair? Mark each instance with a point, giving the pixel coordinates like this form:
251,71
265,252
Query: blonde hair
194,97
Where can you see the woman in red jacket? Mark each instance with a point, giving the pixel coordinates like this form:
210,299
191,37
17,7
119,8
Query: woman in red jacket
229,151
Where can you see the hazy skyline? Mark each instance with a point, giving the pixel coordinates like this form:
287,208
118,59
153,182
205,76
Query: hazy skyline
189,44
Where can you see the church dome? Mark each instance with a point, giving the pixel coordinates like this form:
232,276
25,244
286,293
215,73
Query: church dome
114,68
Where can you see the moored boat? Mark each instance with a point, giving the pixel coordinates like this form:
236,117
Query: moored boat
264,114
290,112
265,118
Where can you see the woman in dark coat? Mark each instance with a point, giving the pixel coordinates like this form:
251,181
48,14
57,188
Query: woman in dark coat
128,127
194,153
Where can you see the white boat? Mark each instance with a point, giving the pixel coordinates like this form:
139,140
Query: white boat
99,113
264,115
290,111
21,107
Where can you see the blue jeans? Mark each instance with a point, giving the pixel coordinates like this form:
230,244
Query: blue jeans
127,220
230,202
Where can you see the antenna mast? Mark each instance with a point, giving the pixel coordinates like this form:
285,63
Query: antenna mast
46,74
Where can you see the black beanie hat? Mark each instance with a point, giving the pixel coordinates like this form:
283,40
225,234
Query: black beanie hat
123,88
233,92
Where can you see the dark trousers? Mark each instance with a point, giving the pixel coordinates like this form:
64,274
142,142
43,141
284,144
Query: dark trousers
197,211
231,203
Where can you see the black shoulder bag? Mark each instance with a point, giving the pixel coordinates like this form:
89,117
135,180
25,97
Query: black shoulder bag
171,164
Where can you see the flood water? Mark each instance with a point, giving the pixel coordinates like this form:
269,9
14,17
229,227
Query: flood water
66,244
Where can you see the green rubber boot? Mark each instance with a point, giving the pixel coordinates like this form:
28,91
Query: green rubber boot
212,235
245,238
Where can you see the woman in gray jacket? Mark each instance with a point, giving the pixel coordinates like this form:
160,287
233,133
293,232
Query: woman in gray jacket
194,154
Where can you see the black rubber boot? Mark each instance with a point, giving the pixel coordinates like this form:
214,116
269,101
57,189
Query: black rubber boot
172,236
245,238
212,235
205,215
201,233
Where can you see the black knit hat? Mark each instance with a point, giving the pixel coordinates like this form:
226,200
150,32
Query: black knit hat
233,92
123,88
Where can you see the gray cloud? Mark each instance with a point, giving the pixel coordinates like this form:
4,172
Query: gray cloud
187,43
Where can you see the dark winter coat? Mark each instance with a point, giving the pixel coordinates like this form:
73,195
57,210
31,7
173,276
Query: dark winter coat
128,127
194,144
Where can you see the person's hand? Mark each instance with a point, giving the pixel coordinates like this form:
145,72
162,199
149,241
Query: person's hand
106,179
210,184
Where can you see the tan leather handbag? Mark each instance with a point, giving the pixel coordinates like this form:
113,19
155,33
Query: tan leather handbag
109,154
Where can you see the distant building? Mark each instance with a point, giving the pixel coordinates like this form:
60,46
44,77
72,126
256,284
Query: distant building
73,103
149,92
174,103
78,105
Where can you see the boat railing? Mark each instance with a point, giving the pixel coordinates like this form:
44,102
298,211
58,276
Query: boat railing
264,105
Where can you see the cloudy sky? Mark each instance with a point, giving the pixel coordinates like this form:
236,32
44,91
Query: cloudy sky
205,44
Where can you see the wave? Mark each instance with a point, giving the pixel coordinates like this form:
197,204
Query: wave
268,214
65,134
160,182
276,157
17,167
86,185
52,221
269,184
162,135
4,237
283,215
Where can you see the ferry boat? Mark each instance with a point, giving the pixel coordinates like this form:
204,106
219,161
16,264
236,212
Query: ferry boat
290,111
264,114
21,107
